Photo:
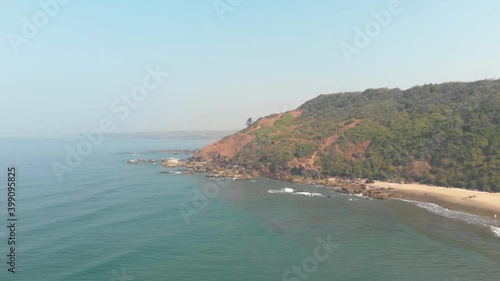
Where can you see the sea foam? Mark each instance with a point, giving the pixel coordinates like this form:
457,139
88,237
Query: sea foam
309,194
283,190
291,191
496,231
469,218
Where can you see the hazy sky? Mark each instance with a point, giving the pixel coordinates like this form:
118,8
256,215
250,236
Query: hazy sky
260,57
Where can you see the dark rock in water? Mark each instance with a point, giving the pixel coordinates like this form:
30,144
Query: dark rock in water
343,190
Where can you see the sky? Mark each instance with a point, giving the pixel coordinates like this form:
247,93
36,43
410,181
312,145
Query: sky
226,60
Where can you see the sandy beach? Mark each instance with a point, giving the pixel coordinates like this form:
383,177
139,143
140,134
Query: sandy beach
470,201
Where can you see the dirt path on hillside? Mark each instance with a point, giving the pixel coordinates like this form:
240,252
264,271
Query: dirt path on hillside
330,140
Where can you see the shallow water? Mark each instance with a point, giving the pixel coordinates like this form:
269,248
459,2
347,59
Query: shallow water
109,220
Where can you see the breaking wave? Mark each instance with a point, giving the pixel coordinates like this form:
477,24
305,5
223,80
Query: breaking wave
309,194
292,191
496,231
469,218
283,190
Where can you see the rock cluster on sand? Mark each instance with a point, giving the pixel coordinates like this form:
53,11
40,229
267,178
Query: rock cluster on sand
347,186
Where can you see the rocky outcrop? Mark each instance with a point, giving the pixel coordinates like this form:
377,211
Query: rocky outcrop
348,186
226,147
173,162
213,169
219,167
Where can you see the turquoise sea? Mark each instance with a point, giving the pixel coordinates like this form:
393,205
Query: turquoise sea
112,221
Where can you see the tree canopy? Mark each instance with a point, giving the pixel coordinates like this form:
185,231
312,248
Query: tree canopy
446,134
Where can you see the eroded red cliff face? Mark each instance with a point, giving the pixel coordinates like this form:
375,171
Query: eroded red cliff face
229,146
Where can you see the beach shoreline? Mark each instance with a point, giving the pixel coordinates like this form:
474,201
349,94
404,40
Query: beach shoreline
469,201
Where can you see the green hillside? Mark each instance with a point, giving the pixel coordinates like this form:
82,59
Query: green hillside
446,134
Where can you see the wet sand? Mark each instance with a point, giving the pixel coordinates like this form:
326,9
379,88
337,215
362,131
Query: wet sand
470,201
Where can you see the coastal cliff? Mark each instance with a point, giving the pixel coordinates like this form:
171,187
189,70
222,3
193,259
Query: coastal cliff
444,134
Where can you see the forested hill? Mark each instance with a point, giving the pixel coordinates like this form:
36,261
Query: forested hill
445,134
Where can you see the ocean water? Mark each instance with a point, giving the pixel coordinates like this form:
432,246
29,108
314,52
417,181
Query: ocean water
109,220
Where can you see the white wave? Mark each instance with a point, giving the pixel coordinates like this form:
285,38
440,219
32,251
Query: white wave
469,218
309,194
436,209
283,190
291,191
496,231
